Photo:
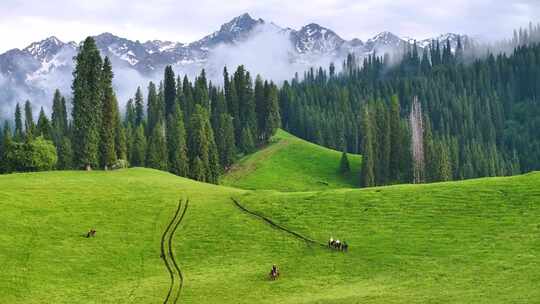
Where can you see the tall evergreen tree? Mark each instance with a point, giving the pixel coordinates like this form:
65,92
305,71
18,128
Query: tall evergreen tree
18,123
176,141
44,126
108,117
272,119
344,165
139,107
153,108
138,148
169,90
29,125
87,107
59,119
368,156
157,148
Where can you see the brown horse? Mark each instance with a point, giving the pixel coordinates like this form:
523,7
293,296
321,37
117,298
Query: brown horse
91,233
274,273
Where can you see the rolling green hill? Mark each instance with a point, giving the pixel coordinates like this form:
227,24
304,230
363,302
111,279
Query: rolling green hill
476,241
292,164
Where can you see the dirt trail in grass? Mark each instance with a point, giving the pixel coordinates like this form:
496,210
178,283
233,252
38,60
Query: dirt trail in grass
167,254
308,240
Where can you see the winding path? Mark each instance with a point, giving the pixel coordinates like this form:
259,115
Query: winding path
278,226
167,254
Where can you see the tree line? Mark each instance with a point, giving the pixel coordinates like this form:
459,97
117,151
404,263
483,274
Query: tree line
192,129
475,118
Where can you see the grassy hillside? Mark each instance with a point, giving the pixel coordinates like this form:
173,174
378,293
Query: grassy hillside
467,242
292,164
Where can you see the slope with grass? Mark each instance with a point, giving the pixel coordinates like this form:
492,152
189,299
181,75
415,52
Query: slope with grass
466,242
289,163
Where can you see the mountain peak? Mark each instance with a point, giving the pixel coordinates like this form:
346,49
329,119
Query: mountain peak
315,38
45,48
231,32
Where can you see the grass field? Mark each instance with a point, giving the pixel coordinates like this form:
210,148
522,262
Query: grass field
476,241
292,164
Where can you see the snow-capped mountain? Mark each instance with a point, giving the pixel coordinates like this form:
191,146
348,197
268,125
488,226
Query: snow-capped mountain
233,31
47,64
314,38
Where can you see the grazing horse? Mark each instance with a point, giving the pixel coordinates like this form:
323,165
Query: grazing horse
91,233
274,273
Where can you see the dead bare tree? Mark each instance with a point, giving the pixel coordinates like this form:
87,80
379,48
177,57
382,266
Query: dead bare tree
417,141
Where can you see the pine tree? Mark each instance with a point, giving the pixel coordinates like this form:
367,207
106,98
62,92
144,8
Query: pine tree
5,144
344,166
130,118
29,125
59,119
138,149
19,133
368,157
139,107
153,111
65,154
120,136
169,90
44,126
248,144
395,140
225,140
260,106
108,117
272,119
87,108
198,171
176,141
157,148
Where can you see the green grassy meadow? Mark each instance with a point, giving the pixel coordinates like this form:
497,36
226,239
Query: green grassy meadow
292,164
475,241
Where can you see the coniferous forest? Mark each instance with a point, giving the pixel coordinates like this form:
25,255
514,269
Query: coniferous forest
474,117
435,115
191,129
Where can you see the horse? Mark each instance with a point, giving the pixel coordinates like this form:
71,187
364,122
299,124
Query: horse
91,233
274,273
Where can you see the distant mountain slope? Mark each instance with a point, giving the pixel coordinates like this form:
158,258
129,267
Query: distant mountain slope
292,164
35,71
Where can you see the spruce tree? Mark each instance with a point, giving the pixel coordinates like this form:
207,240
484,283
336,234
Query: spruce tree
139,107
200,145
225,140
19,132
176,141
87,107
153,111
65,154
29,125
344,166
44,126
169,90
157,148
108,117
272,116
138,149
5,145
120,136
395,140
59,119
368,157
130,118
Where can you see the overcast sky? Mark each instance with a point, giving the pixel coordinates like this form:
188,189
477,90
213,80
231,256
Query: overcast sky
26,21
